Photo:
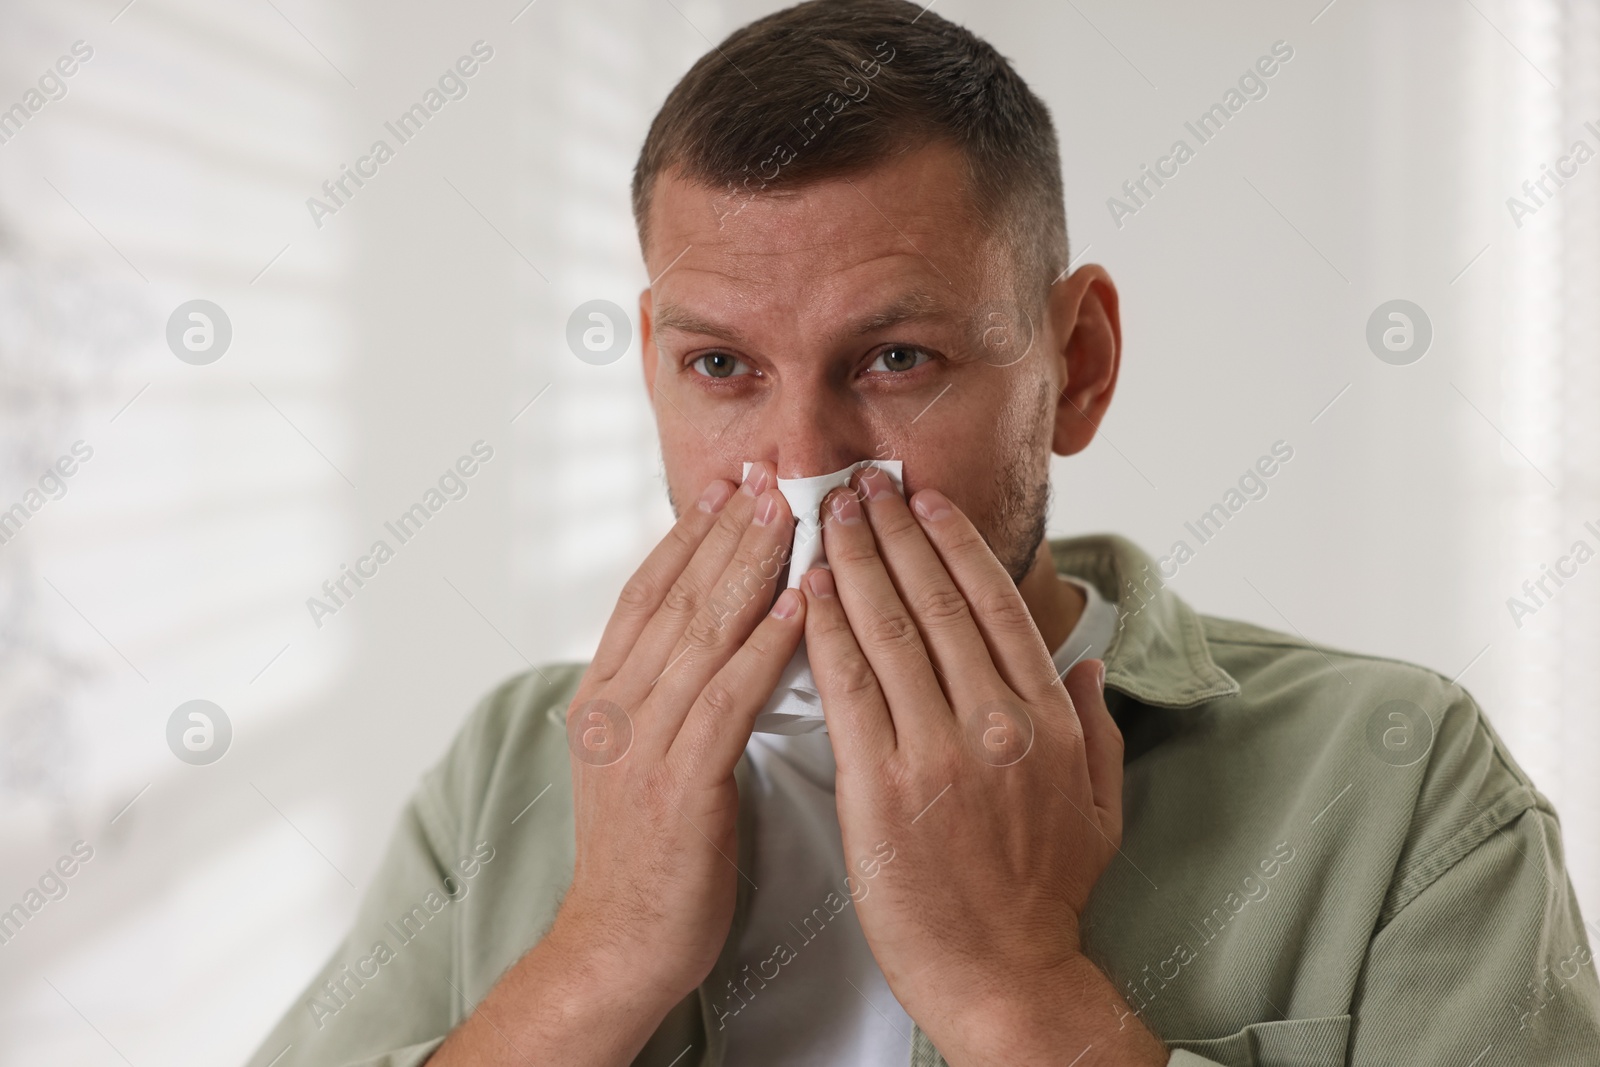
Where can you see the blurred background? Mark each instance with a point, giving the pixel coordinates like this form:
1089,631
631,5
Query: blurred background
373,345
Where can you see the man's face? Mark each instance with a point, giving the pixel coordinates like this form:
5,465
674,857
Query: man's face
868,317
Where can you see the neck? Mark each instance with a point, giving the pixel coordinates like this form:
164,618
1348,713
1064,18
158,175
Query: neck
1054,604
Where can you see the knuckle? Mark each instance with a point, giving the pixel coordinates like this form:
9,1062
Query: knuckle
894,522
827,620
718,700
942,603
963,537
890,628
1005,611
685,537
741,592
680,601
638,595
772,561
853,550
747,573
703,631
854,679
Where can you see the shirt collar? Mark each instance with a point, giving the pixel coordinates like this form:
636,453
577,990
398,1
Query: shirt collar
1159,655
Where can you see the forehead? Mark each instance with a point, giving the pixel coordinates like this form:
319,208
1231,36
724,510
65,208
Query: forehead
905,229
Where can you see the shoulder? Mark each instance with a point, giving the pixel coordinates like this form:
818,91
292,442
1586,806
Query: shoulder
1414,740
1285,673
1402,714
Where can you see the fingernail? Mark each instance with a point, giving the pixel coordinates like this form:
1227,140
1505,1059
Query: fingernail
766,509
716,495
932,505
845,507
755,483
788,603
877,484
1100,675
819,583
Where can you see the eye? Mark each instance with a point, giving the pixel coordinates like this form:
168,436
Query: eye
719,365
898,358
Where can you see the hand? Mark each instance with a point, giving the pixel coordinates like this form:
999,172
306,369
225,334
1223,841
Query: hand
690,660
690,656
998,788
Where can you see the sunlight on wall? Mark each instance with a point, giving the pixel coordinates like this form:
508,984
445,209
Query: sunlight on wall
162,177
1548,371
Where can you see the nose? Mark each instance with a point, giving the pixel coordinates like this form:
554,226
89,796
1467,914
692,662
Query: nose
810,430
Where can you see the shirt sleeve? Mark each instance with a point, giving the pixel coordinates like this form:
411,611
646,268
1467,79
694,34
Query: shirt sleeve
1479,954
1489,964
382,999
391,991
1495,945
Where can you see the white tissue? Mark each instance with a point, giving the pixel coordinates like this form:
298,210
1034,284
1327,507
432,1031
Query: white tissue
795,707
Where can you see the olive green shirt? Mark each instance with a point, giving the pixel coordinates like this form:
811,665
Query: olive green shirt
1328,858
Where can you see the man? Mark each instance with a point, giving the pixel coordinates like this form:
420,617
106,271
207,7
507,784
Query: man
1056,817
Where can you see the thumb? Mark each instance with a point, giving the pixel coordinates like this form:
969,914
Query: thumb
1102,743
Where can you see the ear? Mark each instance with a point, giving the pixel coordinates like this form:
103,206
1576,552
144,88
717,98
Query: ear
1086,331
647,344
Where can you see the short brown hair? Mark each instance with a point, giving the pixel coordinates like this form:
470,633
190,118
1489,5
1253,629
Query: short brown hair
832,87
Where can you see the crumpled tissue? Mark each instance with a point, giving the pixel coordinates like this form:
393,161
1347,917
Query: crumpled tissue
795,707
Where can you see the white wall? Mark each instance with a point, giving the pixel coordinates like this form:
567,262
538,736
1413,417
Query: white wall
427,312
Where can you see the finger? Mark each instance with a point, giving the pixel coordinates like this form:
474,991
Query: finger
719,724
883,628
998,608
852,703
641,597
662,635
1102,743
957,648
732,608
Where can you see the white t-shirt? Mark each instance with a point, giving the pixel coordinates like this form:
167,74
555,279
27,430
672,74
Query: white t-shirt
828,1003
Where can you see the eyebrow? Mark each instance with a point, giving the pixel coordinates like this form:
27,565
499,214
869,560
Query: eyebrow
677,317
918,304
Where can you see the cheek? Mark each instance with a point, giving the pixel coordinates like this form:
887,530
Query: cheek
1004,420
1008,458
694,452
995,435
1022,425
